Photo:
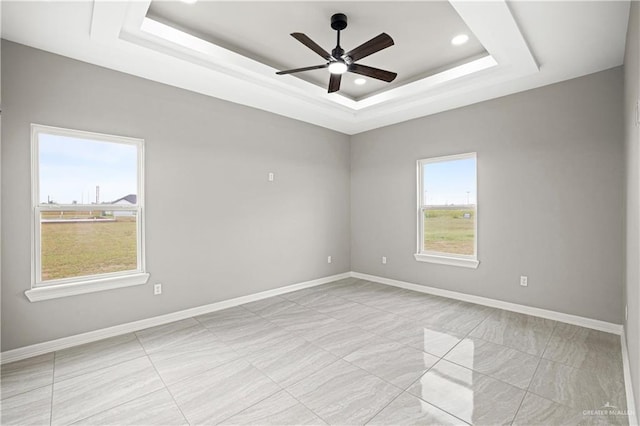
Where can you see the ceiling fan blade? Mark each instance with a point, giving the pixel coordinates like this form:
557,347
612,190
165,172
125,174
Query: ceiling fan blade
376,73
372,46
334,83
311,45
315,67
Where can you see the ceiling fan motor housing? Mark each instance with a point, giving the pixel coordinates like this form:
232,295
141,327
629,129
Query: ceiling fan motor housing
339,62
339,21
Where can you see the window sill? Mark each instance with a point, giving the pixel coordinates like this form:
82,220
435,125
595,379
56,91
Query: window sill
445,260
64,290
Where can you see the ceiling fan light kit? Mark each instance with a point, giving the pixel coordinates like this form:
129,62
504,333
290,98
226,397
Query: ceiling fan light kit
339,62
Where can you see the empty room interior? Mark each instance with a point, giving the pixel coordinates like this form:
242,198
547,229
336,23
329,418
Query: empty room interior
320,212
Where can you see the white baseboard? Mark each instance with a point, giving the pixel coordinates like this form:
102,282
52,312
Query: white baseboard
628,384
507,306
92,336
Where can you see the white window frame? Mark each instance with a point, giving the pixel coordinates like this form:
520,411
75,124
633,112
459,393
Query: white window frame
51,289
421,255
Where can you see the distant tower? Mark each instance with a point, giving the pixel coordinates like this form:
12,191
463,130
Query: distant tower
97,194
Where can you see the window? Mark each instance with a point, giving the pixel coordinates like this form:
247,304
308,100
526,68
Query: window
448,210
88,222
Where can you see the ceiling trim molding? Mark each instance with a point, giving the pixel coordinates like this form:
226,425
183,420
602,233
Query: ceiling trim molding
122,22
119,36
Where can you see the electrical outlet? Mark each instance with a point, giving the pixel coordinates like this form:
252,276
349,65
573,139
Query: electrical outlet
157,289
328,259
523,281
384,260
271,177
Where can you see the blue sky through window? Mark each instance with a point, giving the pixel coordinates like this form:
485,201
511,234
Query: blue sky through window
71,168
450,182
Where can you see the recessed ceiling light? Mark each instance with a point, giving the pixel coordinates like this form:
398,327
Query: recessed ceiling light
460,39
189,1
359,81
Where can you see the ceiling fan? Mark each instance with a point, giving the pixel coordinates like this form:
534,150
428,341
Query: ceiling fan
339,62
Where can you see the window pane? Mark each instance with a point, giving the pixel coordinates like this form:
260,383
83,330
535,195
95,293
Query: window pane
81,171
449,201
449,230
79,243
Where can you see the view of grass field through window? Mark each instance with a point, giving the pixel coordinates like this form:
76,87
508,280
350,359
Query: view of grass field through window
449,230
449,206
88,207
83,244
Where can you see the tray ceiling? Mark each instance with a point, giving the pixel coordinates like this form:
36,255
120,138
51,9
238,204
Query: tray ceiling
422,32
231,50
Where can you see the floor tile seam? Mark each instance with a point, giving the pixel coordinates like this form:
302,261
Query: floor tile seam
336,361
515,415
289,333
176,344
305,406
362,369
488,375
359,346
264,319
411,319
163,382
386,380
503,345
203,371
53,378
534,373
575,367
546,345
196,324
116,406
381,409
368,331
124,402
113,346
541,357
219,310
406,390
64,379
461,340
293,334
25,391
482,374
428,295
546,398
279,386
422,400
555,402
297,381
441,358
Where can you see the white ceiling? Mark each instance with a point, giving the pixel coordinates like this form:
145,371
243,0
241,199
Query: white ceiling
529,44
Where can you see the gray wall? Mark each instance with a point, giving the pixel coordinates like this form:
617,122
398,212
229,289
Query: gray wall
216,229
550,190
632,137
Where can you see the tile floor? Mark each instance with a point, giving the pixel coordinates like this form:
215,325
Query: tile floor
350,352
